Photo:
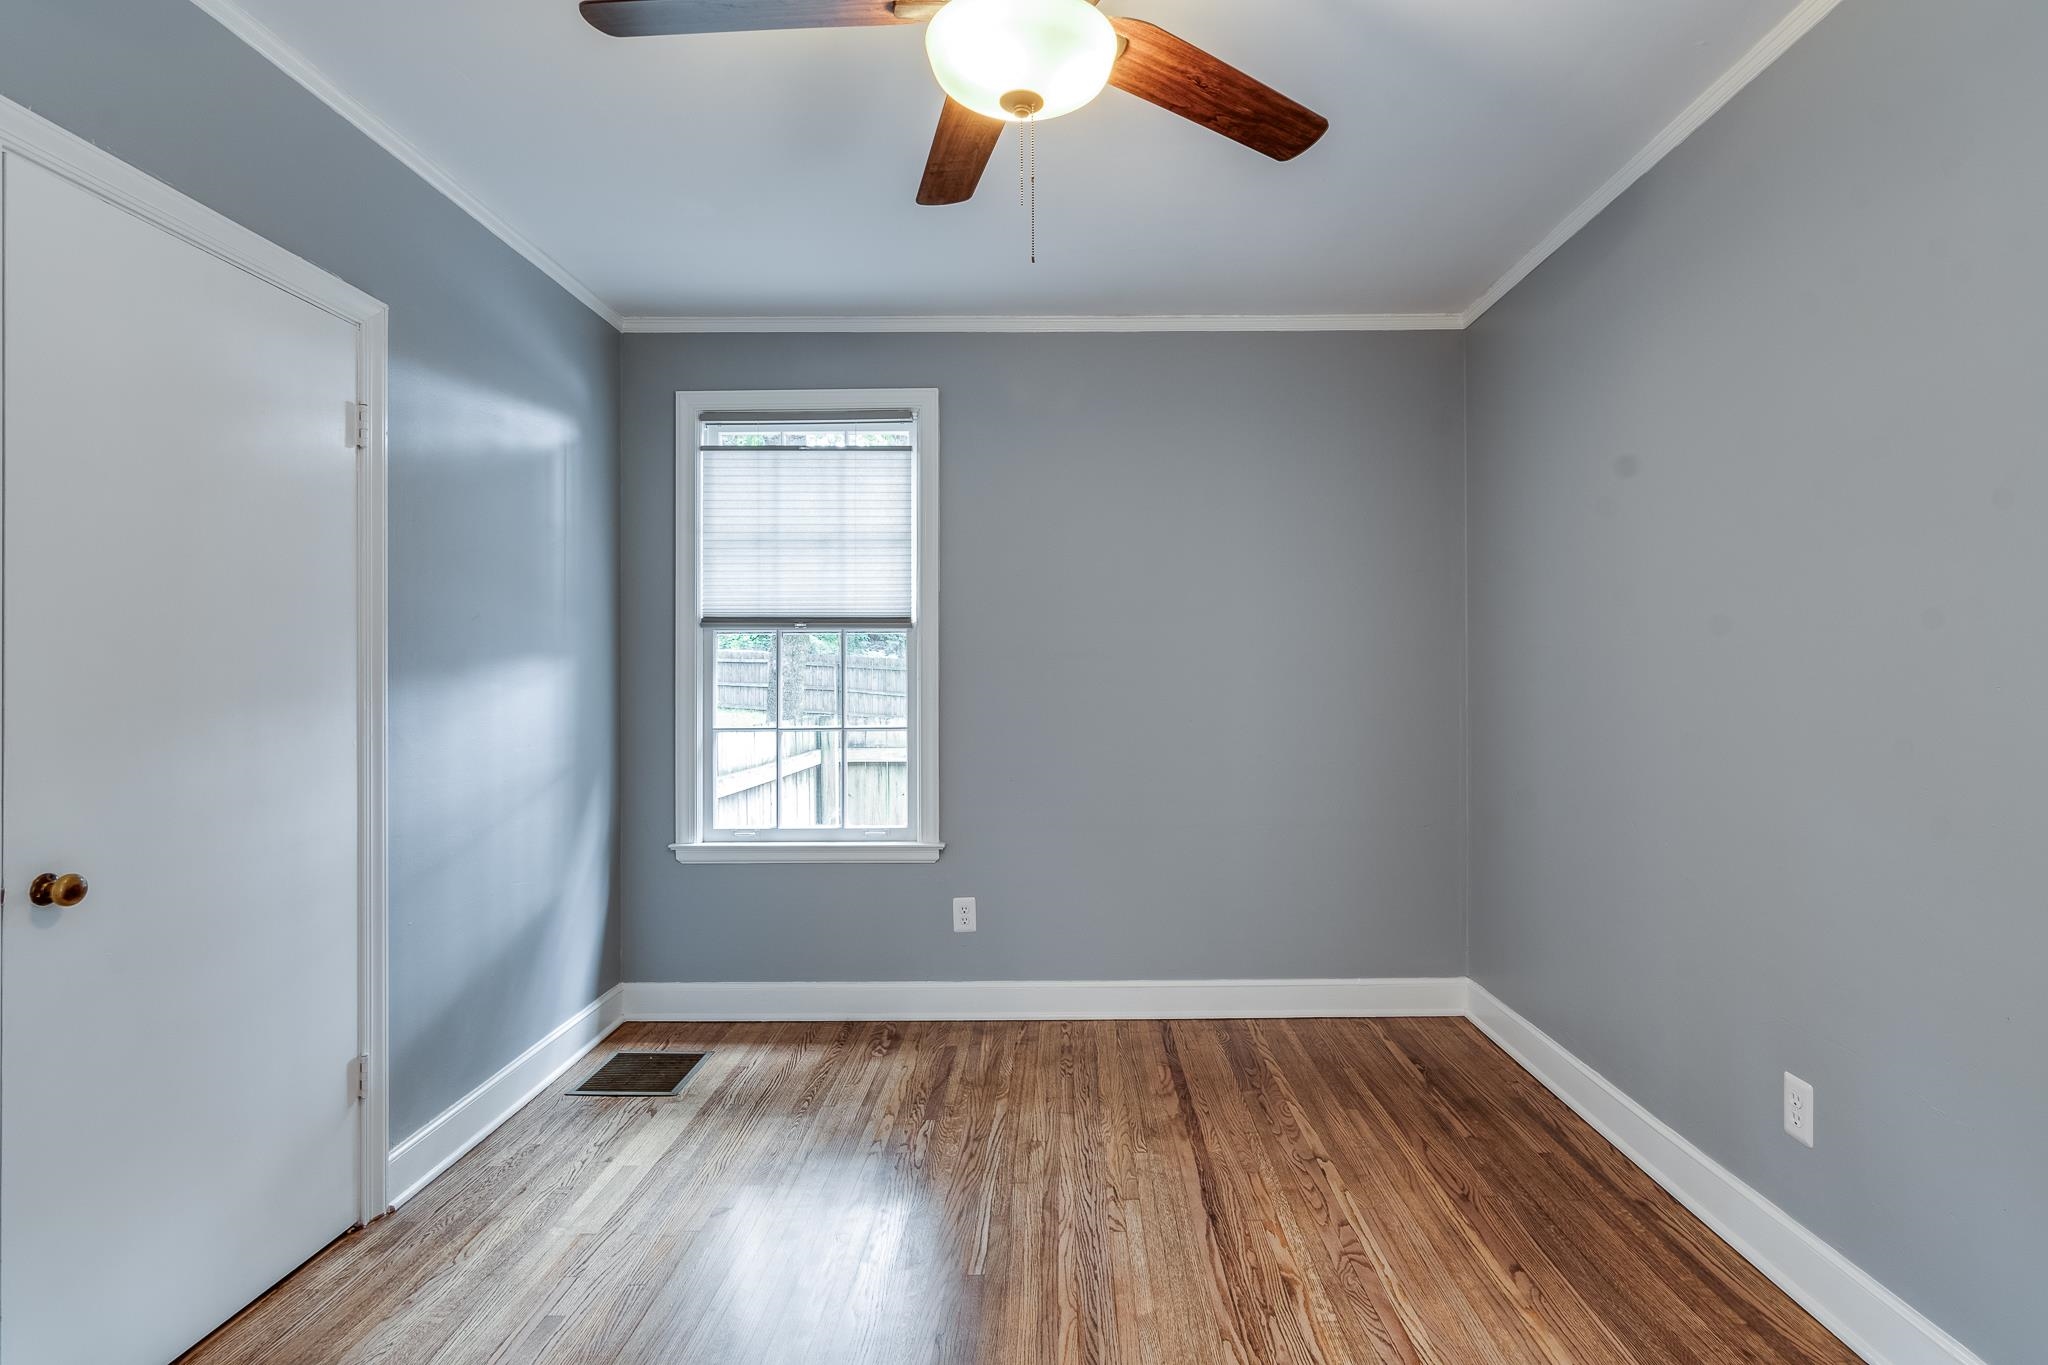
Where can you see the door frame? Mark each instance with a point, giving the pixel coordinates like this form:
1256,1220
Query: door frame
31,137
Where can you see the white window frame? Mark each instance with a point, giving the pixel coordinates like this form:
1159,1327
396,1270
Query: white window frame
694,843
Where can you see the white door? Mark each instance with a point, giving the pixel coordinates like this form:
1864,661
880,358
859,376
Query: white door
177,1129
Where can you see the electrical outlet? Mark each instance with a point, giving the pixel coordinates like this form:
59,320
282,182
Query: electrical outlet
963,914
1799,1109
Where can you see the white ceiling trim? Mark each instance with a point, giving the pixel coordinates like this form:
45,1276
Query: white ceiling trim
288,60
1085,322
1754,63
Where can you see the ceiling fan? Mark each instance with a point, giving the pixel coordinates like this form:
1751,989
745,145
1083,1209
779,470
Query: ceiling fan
1008,61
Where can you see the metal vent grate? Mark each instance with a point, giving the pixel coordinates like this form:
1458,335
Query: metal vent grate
641,1073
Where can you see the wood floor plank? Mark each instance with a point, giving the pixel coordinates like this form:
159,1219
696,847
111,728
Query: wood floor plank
1555,1312
1707,1303
1276,1192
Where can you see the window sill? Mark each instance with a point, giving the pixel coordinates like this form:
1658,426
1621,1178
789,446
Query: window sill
848,852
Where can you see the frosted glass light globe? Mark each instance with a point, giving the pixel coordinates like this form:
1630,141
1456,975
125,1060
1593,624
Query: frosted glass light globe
989,53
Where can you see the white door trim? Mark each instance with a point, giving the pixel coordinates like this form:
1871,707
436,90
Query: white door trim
34,138
373,874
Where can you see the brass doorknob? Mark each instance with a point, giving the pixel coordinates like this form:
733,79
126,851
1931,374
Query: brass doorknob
51,889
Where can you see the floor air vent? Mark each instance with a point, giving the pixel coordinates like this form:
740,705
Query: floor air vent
641,1073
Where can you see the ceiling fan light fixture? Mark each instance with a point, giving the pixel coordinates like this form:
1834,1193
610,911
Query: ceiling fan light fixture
1018,59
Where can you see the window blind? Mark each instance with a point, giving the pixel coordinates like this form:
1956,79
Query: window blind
812,520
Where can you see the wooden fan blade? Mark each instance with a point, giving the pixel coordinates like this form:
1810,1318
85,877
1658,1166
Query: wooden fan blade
650,18
960,151
1182,79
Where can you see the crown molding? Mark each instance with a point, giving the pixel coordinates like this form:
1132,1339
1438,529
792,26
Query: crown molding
1753,63
1155,322
287,59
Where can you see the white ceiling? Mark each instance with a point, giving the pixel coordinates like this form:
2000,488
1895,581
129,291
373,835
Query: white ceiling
774,173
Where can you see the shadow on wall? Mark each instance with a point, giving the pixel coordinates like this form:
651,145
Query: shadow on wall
501,730
510,948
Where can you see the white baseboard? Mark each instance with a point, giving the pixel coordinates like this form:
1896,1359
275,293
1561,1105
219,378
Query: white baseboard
1874,1322
471,1119
444,1139
913,1000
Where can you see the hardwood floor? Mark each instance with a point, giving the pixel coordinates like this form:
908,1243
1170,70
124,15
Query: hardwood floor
1367,1191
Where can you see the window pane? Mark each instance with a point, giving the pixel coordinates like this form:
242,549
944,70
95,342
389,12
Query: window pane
877,677
810,678
744,781
810,779
877,779
744,678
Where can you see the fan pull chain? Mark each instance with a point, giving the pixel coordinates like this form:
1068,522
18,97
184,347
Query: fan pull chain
1031,133
1026,109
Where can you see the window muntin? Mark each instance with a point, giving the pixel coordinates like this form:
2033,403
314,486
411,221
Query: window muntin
810,733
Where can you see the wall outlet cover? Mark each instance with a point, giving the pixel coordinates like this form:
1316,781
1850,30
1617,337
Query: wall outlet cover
963,914
1798,1109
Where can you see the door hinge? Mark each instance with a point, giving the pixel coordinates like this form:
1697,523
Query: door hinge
356,426
359,1078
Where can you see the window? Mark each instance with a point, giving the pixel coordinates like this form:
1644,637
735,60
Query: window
807,626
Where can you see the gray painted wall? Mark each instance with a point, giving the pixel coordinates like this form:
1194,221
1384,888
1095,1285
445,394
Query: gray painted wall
1756,632
503,461
1248,513
1760,652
